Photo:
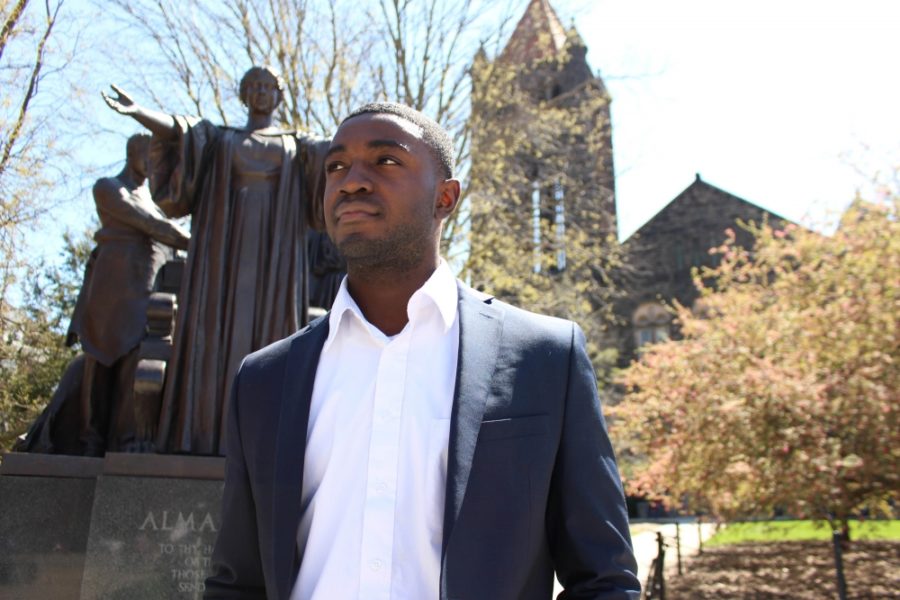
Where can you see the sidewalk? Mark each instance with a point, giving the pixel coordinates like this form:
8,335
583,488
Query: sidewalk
643,536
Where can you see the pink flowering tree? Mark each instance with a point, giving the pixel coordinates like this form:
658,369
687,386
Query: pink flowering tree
784,389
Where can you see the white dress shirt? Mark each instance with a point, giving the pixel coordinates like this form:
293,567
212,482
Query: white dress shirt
375,468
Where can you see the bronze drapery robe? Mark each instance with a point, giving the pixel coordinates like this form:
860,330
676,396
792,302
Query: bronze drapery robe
245,279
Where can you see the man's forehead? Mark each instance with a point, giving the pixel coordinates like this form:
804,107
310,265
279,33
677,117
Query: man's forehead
375,125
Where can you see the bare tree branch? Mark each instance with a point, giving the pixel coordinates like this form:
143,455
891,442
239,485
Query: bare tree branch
31,89
10,24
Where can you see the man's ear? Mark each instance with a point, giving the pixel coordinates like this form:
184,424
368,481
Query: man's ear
447,198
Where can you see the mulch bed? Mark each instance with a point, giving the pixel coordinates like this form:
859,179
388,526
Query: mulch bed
795,570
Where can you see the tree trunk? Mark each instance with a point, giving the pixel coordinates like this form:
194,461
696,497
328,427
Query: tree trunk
838,542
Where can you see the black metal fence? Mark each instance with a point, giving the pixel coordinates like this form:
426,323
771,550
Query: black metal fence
655,589
655,586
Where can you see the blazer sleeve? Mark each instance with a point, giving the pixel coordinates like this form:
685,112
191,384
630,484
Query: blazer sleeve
236,564
587,521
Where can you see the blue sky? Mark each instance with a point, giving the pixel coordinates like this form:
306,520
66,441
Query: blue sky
790,104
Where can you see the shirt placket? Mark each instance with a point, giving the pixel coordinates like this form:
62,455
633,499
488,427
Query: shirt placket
381,488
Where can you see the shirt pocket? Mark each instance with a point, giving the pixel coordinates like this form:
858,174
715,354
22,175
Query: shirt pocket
514,427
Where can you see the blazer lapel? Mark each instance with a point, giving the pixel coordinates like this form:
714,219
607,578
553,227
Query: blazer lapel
480,327
290,448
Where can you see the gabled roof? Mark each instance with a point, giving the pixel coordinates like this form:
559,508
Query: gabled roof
700,189
538,35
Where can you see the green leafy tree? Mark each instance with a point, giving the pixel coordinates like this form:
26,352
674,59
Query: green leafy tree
37,43
784,392
33,352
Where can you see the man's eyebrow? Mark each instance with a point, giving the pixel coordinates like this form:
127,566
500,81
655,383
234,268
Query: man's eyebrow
386,143
389,144
333,149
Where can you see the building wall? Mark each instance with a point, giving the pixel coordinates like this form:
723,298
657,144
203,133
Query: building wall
662,253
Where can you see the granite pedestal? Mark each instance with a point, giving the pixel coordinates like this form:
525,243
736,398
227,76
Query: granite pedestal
129,526
45,514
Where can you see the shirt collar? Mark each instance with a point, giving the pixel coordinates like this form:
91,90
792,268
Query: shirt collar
440,289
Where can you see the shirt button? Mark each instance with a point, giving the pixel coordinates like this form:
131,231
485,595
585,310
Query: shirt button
381,487
375,564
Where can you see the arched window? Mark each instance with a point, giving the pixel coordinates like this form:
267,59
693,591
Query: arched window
652,323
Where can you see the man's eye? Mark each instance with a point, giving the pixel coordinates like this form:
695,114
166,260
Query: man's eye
332,167
387,160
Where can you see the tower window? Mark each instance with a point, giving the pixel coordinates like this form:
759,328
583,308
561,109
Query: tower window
536,224
560,222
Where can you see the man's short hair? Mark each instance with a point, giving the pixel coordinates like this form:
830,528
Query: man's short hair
435,137
254,72
139,142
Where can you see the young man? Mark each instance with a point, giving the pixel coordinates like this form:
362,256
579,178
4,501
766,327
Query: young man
421,441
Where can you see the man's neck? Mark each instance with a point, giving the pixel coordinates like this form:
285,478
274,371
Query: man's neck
382,296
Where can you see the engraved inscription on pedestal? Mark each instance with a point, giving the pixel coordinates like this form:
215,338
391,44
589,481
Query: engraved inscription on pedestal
151,538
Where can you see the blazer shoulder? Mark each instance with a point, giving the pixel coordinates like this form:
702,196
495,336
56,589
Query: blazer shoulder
524,323
540,325
276,352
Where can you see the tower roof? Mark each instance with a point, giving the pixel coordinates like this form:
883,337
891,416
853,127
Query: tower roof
538,35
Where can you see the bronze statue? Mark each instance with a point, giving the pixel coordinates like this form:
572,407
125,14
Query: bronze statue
253,192
111,312
326,271
110,316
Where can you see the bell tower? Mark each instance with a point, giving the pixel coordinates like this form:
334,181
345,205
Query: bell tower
541,143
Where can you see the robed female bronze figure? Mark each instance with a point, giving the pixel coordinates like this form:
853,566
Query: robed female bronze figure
252,192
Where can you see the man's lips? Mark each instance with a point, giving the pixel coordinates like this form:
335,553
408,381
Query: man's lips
349,210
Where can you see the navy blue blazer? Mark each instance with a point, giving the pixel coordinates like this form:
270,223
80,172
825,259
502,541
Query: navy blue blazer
532,484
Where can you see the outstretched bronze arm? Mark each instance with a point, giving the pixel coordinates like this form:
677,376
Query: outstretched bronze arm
158,123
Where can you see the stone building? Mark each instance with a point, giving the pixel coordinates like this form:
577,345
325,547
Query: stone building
662,253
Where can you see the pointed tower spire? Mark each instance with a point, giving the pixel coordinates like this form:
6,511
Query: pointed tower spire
538,35
574,39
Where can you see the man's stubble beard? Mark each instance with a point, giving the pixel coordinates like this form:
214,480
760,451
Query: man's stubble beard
403,250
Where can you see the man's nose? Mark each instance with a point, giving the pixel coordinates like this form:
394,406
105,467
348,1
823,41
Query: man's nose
356,180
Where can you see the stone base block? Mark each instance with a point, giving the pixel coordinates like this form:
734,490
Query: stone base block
125,527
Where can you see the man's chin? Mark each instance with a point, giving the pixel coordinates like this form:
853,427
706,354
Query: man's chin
358,246
362,253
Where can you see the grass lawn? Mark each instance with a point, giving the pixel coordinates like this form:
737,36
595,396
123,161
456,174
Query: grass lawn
784,531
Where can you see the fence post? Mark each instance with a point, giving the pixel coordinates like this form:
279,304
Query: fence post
678,545
836,539
700,533
659,585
